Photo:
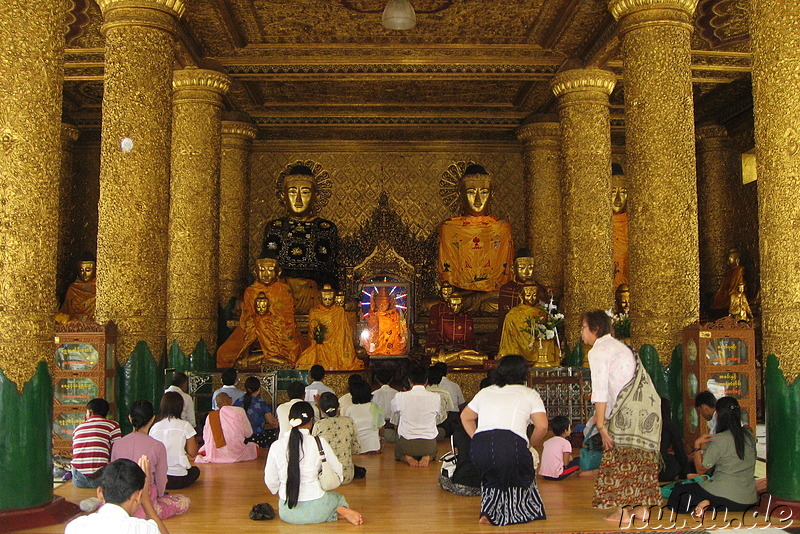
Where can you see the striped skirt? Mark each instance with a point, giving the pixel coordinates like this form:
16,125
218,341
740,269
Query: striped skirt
509,494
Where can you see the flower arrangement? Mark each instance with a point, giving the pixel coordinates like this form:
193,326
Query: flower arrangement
318,333
621,323
546,326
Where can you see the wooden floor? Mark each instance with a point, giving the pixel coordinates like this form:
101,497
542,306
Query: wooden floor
393,498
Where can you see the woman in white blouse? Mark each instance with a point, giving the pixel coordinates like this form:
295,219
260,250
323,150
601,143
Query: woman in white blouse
292,471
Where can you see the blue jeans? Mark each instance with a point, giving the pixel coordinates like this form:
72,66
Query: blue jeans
79,480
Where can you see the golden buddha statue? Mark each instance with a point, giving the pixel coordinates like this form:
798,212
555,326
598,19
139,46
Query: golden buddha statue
730,282
387,332
622,300
511,292
739,308
275,329
330,336
619,222
79,302
476,250
521,335
451,339
304,244
258,327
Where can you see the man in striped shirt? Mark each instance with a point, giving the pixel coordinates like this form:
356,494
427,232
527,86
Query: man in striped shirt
91,444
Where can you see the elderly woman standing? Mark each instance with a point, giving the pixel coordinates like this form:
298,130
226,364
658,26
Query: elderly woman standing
628,417
497,420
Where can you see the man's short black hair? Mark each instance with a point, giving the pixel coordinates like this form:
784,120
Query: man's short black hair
121,479
434,376
317,372
418,374
442,367
705,398
229,377
179,379
296,390
98,406
384,376
559,424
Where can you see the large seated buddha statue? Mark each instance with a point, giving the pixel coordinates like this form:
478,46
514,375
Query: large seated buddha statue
476,250
387,332
267,317
79,302
520,332
330,335
451,336
304,244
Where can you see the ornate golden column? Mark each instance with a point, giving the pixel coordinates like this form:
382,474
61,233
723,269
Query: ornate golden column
134,170
66,254
718,216
234,183
659,117
194,208
586,146
543,170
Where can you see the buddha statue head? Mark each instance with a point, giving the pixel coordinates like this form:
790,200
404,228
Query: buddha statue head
381,300
734,258
622,299
523,269
327,295
476,190
87,267
619,189
340,299
455,304
299,191
445,290
530,294
261,304
267,270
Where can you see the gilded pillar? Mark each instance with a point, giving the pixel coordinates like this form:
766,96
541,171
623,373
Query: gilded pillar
586,148
234,183
543,170
134,171
776,61
718,214
194,208
660,146
65,273
31,79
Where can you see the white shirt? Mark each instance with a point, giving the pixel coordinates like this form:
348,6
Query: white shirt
383,397
282,413
612,365
420,410
345,401
173,433
111,518
368,418
276,470
188,405
506,408
232,391
455,391
315,388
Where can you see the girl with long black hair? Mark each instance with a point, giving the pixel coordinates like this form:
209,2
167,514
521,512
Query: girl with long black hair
292,471
259,413
732,454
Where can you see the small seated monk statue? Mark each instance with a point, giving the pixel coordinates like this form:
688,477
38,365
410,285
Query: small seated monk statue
520,332
79,303
304,244
622,300
330,336
511,292
619,223
451,339
739,308
476,250
267,316
730,282
387,332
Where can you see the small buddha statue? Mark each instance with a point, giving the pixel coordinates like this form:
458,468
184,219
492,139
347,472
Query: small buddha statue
79,302
387,332
476,250
258,327
452,339
277,331
519,332
303,243
730,282
511,292
330,336
619,222
441,306
622,300
739,308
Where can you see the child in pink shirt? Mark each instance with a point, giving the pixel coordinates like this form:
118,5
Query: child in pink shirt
557,462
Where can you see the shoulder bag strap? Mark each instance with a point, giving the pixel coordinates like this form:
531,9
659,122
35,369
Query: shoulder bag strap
319,446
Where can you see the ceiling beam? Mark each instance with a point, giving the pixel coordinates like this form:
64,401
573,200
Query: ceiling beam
237,37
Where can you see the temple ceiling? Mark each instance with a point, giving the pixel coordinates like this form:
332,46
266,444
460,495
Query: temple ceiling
469,70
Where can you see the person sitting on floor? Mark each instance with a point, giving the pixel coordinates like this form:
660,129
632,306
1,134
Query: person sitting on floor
224,435
316,387
346,400
367,416
178,438
229,379
91,444
180,385
123,490
296,391
673,452
419,411
383,397
557,462
265,426
342,435
292,471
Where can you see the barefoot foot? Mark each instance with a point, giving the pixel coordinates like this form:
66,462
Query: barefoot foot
484,520
349,514
700,509
619,516
410,460
424,461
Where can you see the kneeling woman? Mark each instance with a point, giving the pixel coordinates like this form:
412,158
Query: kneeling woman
292,471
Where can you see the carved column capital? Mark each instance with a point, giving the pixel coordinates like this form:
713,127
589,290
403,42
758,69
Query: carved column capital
580,84
634,13
160,14
710,131
243,130
194,79
175,7
69,133
536,133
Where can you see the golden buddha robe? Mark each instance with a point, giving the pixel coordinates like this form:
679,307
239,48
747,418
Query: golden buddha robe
336,352
388,333
276,332
729,286
476,252
79,302
518,337
619,222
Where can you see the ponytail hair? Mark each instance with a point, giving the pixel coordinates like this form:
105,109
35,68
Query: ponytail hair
729,417
329,404
141,413
300,414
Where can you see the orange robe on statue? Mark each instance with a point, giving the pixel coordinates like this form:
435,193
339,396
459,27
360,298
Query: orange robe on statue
729,286
476,252
336,352
619,223
276,332
79,303
388,333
